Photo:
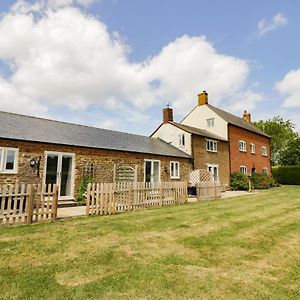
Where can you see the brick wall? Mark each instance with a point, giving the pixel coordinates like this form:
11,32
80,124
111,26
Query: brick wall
238,158
203,157
103,160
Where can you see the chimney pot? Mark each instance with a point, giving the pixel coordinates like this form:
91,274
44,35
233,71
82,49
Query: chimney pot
247,116
167,114
203,98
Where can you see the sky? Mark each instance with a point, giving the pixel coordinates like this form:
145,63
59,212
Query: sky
116,64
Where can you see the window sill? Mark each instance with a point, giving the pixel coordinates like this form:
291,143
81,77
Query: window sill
9,173
252,152
174,177
245,151
211,151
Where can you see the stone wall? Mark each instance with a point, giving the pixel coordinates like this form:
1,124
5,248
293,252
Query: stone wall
202,157
102,159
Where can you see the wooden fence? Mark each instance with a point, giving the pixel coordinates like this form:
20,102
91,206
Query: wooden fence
110,198
208,190
25,204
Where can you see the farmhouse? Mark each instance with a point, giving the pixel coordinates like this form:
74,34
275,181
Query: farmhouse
249,147
209,151
36,150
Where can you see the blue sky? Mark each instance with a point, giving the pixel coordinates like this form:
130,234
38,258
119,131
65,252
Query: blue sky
115,64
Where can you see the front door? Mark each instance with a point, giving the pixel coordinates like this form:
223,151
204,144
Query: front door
59,170
152,171
214,170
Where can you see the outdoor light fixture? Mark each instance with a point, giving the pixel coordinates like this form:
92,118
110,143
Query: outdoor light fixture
33,162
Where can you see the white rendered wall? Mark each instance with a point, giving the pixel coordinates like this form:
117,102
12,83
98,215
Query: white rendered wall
170,134
197,118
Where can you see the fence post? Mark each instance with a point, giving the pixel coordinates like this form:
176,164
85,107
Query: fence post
198,191
88,199
54,202
30,193
215,190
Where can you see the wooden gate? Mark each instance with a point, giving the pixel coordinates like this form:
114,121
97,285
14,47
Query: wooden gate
25,204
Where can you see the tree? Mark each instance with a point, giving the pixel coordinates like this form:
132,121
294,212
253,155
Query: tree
290,156
281,133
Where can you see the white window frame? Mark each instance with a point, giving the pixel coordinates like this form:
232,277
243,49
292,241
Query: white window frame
210,122
3,160
218,171
152,163
252,148
174,176
214,145
244,146
265,170
182,139
264,151
243,170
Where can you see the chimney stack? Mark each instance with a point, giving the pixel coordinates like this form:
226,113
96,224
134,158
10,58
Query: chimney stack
167,114
247,116
203,98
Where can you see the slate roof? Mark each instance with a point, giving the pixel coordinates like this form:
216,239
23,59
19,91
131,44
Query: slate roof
198,131
26,128
237,121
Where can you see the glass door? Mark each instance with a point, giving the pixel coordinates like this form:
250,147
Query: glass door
59,170
152,171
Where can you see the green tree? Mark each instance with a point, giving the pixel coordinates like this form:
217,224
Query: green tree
290,156
281,133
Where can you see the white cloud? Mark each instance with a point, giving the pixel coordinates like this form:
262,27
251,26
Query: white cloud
289,87
63,56
265,26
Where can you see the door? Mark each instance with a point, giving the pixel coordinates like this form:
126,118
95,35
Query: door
59,170
152,171
214,170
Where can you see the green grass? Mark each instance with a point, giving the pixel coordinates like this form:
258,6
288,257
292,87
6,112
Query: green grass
240,248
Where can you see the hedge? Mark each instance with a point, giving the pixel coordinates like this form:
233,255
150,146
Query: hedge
286,174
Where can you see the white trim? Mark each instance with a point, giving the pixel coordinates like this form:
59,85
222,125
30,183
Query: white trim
210,122
252,151
4,159
214,166
262,151
152,161
244,148
245,169
59,166
214,143
174,162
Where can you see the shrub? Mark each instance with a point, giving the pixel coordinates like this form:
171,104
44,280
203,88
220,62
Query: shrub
239,181
262,181
82,189
286,174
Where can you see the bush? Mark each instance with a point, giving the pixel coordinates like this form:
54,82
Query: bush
239,181
262,181
82,189
286,174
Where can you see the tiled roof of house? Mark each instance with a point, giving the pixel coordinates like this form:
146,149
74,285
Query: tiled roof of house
198,131
26,128
237,121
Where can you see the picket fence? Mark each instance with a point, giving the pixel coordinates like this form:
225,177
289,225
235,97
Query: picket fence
26,203
110,198
208,190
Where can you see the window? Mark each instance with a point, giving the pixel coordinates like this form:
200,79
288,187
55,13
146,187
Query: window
214,170
264,151
252,148
243,169
242,146
210,122
265,170
174,170
211,146
152,171
8,160
181,140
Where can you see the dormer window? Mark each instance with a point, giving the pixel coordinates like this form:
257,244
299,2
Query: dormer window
182,140
242,146
210,122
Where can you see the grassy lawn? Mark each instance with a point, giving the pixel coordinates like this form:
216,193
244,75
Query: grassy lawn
240,248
